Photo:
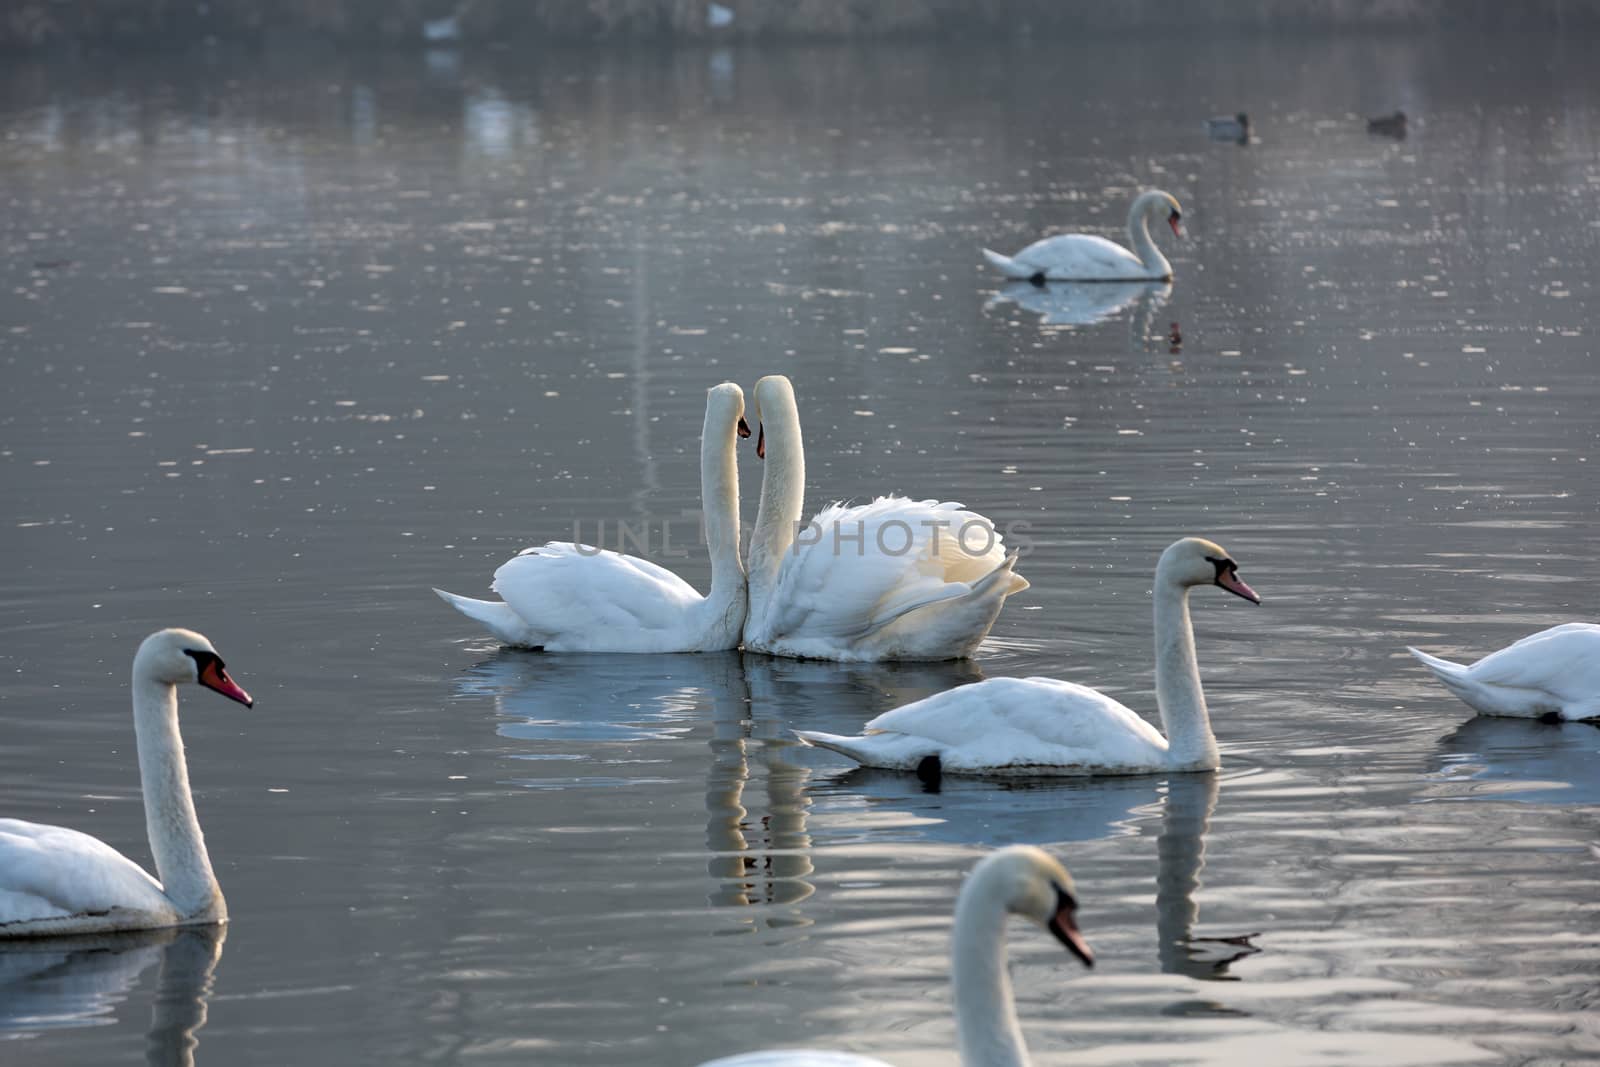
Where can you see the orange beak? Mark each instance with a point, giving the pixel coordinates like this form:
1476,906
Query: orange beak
212,676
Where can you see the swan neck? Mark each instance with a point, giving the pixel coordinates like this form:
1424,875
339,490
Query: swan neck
783,487
1144,246
719,504
1190,743
986,1014
169,817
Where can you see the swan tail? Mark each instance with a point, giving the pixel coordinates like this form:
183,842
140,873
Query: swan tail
1004,575
1008,266
505,624
900,752
1453,675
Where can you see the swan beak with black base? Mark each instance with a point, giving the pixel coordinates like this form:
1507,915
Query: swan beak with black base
1173,220
213,676
1064,925
1235,585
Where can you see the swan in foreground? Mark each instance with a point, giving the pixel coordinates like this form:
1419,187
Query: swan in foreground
1019,880
1024,726
1082,257
564,597
893,579
59,881
1553,674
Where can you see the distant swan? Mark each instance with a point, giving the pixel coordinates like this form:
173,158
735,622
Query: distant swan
893,579
563,597
1553,674
1082,257
59,881
1019,880
1040,726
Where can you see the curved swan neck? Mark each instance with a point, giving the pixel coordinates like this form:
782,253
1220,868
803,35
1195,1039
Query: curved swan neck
783,484
986,1014
175,838
719,505
1190,743
1144,246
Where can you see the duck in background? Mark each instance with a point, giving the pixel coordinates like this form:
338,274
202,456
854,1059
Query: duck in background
1389,125
1234,128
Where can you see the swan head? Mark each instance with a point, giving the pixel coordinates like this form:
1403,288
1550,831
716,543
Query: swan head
725,408
182,657
1030,882
775,395
1196,561
1156,204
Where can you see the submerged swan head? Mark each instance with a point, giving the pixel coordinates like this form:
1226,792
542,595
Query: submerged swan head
774,395
178,657
1196,561
1157,204
1028,881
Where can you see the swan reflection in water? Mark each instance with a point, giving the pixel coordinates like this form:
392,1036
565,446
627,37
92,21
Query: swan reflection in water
1086,303
1488,758
55,983
767,860
1181,857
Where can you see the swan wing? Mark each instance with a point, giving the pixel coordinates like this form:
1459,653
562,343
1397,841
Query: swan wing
1081,256
563,588
52,873
856,569
1563,660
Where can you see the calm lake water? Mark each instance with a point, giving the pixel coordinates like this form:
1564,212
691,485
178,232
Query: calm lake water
290,337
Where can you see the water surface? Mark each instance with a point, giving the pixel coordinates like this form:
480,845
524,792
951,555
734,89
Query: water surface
292,337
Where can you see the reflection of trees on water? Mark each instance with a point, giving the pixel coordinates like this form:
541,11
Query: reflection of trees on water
77,981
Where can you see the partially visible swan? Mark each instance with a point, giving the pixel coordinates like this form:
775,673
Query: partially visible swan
893,579
563,597
1019,880
1082,257
1025,726
1553,674
59,881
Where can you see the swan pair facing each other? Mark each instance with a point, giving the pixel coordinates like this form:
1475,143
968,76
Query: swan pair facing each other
893,579
59,881
1082,257
1019,880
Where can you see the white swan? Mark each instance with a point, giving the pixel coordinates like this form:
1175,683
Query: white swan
1045,726
563,597
1082,257
1019,880
59,881
893,579
1552,674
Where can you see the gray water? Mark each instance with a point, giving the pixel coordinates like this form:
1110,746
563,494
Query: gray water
290,337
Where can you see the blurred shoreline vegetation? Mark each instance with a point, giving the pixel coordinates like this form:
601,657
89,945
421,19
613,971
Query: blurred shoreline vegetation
45,24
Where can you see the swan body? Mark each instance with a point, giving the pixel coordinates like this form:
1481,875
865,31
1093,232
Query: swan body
1555,672
58,881
565,597
1082,257
1018,880
896,579
1037,726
